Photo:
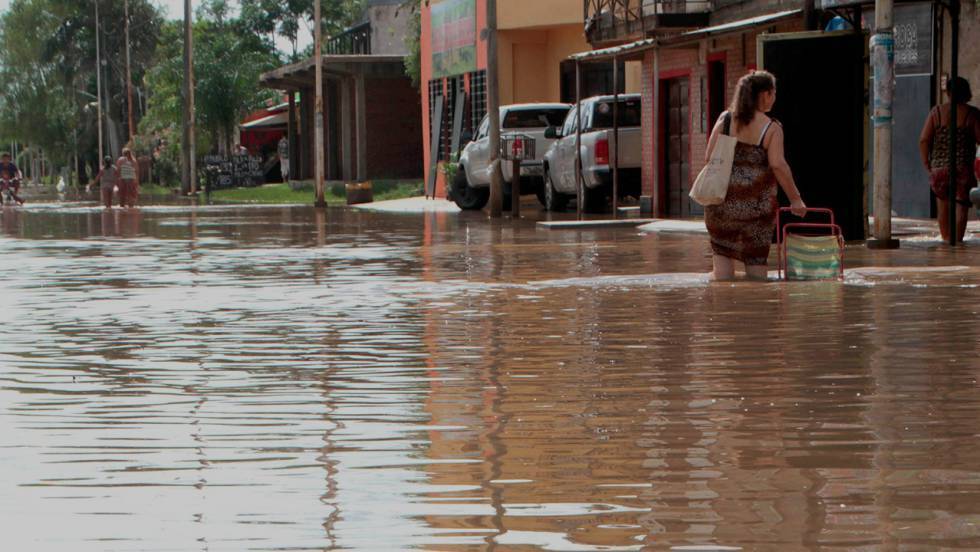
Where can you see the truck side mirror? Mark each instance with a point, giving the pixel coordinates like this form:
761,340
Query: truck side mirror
551,133
466,137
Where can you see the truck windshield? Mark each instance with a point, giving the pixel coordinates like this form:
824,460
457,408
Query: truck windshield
602,114
534,118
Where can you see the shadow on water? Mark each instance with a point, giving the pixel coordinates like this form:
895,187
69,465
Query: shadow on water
284,378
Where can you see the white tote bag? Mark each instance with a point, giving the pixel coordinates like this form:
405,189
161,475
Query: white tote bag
711,185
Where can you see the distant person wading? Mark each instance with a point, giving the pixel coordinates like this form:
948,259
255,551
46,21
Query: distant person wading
128,179
108,179
934,150
741,227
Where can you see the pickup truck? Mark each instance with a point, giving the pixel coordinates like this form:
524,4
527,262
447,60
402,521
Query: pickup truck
471,184
597,141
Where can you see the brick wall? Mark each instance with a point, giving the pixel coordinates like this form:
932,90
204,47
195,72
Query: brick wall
394,124
739,54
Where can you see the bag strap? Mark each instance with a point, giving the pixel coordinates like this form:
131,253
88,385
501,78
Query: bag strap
762,137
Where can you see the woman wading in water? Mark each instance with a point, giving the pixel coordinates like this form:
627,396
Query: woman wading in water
741,227
934,149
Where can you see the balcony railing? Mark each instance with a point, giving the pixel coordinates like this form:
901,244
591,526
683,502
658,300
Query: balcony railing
617,20
354,40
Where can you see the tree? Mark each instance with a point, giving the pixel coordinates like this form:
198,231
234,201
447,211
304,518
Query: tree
227,65
48,67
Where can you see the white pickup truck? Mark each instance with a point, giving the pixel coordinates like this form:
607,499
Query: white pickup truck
597,134
471,184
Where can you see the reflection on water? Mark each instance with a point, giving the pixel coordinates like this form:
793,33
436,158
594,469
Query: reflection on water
276,378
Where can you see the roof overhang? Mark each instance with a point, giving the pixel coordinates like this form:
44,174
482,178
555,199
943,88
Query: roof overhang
635,50
276,120
302,75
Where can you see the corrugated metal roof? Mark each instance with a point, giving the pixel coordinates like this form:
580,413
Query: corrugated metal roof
639,46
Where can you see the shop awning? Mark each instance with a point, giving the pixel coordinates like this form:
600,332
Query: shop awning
271,121
634,50
301,75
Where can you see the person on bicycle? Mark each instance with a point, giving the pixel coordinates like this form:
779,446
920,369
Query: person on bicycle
11,176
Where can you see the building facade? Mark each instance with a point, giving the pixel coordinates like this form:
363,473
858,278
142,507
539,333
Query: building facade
534,40
693,52
371,110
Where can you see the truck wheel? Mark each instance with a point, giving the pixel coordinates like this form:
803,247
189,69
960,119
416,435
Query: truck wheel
553,200
596,200
465,196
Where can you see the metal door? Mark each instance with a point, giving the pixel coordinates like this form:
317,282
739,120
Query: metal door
678,148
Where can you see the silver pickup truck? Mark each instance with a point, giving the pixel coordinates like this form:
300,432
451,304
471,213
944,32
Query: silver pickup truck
596,146
471,184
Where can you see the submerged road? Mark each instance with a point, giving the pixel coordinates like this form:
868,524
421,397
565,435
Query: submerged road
274,378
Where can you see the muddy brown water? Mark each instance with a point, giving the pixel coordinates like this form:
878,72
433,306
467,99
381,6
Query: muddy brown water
281,379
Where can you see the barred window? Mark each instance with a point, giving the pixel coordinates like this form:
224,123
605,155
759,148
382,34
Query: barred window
478,98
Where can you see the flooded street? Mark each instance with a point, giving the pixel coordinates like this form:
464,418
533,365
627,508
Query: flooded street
276,378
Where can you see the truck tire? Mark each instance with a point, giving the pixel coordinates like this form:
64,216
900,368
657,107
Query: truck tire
467,197
553,200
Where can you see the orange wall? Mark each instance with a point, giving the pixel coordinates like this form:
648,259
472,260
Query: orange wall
524,14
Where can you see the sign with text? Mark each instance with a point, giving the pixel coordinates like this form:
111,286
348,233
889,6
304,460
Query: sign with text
913,39
453,34
236,170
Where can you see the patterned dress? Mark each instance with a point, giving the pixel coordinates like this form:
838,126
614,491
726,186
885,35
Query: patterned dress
966,145
741,227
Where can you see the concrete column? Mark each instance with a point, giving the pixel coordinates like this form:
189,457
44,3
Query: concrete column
292,137
306,125
362,138
346,130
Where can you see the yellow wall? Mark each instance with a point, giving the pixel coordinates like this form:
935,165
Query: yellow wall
529,62
634,76
522,14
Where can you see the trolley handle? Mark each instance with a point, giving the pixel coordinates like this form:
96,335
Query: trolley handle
807,211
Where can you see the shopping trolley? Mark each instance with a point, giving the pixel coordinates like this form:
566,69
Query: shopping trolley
809,250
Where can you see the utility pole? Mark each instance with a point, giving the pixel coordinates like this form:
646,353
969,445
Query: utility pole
954,73
883,65
189,165
98,81
320,200
129,75
493,111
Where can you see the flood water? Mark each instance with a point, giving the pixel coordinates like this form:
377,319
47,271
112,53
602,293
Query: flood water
281,379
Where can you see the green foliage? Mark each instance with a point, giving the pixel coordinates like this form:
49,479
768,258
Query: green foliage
413,41
282,193
47,63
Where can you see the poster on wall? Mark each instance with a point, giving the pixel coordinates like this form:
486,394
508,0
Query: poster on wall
453,35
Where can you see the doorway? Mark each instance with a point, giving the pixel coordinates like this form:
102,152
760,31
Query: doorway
676,93
824,125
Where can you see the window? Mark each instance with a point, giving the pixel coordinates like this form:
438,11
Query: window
601,115
478,97
484,127
534,118
569,127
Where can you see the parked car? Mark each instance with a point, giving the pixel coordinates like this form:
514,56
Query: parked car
560,184
471,184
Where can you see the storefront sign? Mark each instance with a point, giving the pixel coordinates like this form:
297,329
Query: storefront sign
453,33
913,33
913,39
